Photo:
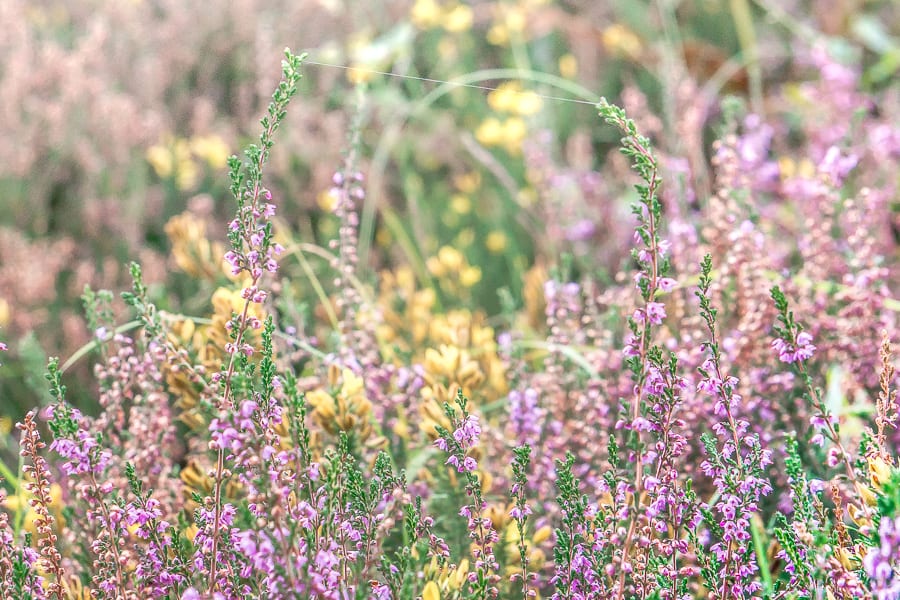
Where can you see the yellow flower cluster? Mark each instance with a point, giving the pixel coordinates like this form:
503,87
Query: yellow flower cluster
344,407
619,40
509,131
444,581
789,168
454,17
510,98
195,479
447,370
406,310
463,357
454,273
509,22
193,252
176,158
456,349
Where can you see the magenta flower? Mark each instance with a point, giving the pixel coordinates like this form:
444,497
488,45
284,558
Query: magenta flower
789,353
656,312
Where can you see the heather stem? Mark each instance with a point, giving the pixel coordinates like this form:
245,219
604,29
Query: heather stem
636,147
243,230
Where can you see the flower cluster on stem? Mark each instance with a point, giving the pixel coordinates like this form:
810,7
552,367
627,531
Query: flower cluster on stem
736,463
85,462
656,392
520,512
794,346
38,485
466,432
253,252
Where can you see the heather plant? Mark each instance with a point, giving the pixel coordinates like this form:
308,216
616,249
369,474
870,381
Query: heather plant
642,429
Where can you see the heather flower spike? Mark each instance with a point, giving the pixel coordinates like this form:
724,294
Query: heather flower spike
736,462
253,252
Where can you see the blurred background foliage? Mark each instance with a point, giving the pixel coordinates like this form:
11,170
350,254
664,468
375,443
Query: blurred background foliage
117,119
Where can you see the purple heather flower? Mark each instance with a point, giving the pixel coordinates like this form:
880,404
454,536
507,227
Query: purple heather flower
788,353
816,486
656,312
520,513
837,167
880,562
632,344
666,284
468,432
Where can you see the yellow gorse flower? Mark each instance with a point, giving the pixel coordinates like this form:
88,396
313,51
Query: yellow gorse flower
345,408
211,149
467,183
172,159
431,591
621,41
511,98
445,580
495,242
879,471
789,168
509,21
454,17
426,14
458,18
175,157
568,66
193,252
508,133
454,273
535,556
460,204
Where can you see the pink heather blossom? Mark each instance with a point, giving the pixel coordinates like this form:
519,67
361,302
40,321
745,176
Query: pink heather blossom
520,513
666,284
468,432
632,344
787,353
656,312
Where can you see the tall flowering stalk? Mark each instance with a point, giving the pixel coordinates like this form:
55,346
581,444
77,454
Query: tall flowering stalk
736,462
458,444
794,347
18,572
161,568
86,463
50,561
520,512
576,570
253,252
653,408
